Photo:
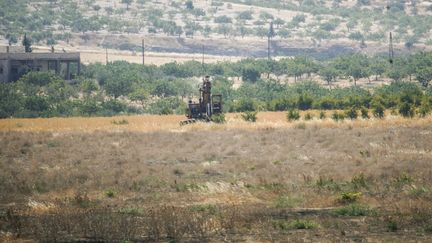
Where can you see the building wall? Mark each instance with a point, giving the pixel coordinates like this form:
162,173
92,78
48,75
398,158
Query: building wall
13,65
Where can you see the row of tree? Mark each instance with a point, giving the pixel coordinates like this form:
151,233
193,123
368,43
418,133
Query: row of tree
122,88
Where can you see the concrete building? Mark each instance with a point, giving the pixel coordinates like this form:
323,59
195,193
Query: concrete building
14,65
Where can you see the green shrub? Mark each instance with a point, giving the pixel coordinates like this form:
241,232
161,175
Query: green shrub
286,202
404,179
336,116
113,106
120,122
351,113
425,107
349,197
424,111
328,184
392,226
308,116
249,116
364,113
359,181
428,228
303,224
110,193
166,111
378,111
353,210
210,208
304,102
218,118
419,192
406,110
131,211
322,115
293,115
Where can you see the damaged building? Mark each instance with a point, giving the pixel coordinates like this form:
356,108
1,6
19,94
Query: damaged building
15,65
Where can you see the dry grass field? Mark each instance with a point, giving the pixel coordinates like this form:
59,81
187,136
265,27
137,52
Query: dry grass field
145,178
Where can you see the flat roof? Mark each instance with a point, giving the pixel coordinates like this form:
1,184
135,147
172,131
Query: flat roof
72,56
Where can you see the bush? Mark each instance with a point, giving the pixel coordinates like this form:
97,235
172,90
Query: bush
349,197
336,116
308,116
120,122
351,113
322,115
249,116
406,110
304,102
246,104
353,210
424,111
110,193
364,113
113,106
378,111
293,115
296,224
286,202
303,224
218,118
392,226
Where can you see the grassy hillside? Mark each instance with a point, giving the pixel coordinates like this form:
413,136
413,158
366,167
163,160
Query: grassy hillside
121,24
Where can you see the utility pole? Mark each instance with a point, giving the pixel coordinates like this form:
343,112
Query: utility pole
202,61
391,53
268,47
106,55
271,33
143,46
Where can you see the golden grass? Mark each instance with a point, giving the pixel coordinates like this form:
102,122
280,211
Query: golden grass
50,167
154,123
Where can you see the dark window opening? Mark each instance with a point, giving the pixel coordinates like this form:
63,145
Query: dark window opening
1,70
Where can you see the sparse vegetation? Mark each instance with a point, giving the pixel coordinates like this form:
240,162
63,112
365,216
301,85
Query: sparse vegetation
112,190
349,197
353,210
293,115
249,116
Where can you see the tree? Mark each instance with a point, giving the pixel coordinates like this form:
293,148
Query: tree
224,29
87,86
250,73
117,87
245,15
127,2
423,67
328,73
284,33
11,101
189,5
12,39
96,8
139,95
223,19
406,110
378,67
27,44
279,22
